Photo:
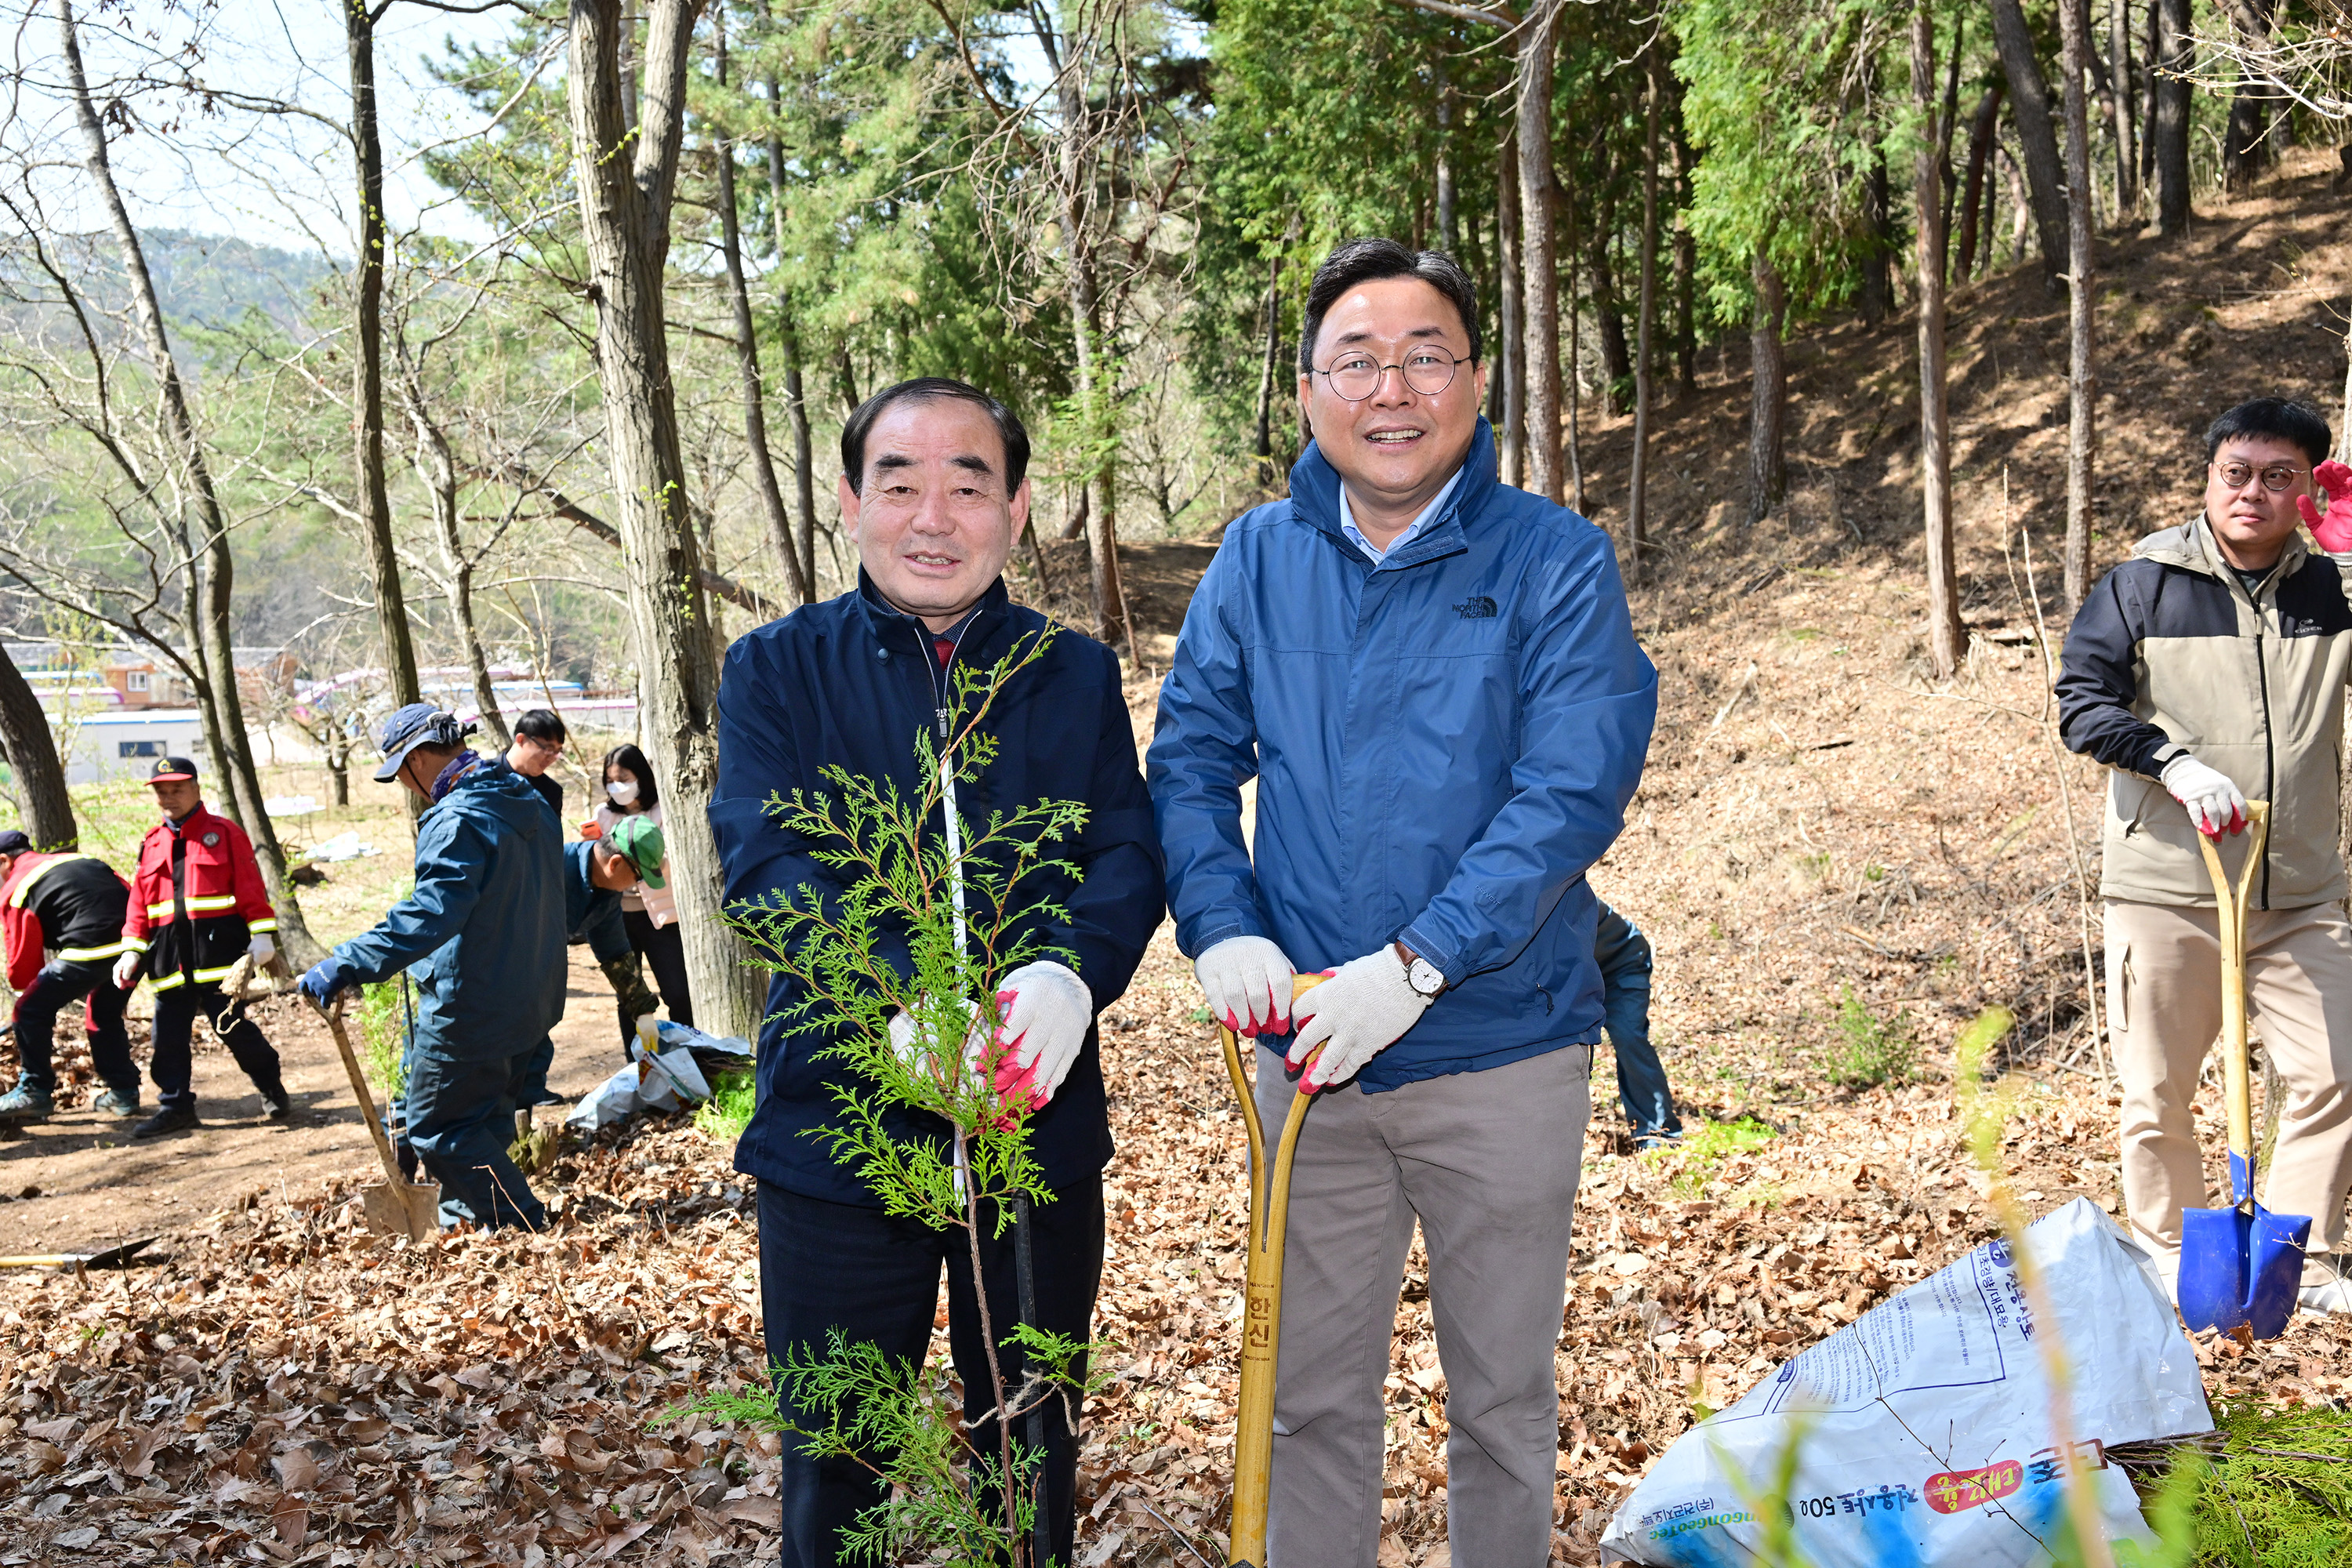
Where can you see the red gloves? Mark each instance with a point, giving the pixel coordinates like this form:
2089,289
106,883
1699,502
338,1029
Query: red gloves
2333,531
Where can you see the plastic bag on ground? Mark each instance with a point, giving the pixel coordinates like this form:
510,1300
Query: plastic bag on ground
674,1035
663,1082
1922,1431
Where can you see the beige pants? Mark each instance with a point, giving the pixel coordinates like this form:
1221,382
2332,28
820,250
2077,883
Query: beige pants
2164,991
1488,1162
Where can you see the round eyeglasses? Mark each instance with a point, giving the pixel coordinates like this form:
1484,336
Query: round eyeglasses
2277,478
1356,375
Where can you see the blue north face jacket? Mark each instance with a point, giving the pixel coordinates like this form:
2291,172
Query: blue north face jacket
1444,744
483,933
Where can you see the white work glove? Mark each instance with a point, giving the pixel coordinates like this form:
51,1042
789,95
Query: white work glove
1363,1009
1046,1010
262,948
126,970
2215,805
1247,981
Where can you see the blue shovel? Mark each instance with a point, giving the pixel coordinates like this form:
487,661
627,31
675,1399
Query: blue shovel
2240,1266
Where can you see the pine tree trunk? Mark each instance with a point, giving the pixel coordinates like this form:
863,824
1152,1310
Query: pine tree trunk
2028,97
1449,237
2123,106
1637,515
1511,349
1608,319
754,386
436,470
32,754
2081,370
1947,635
1767,470
226,748
2245,144
1980,134
1265,375
626,182
1572,378
1685,274
1539,264
1877,296
788,343
2167,132
367,363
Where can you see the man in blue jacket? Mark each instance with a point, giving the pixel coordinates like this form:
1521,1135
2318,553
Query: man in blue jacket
596,872
1434,682
482,936
933,493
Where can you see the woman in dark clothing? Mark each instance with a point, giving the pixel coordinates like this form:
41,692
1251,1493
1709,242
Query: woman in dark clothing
649,914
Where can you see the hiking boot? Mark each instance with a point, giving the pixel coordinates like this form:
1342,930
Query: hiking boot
280,1104
21,1105
2330,1295
115,1102
171,1118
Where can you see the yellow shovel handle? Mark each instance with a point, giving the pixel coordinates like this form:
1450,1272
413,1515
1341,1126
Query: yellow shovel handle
2229,910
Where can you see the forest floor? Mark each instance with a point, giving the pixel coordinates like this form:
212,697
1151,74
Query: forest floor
1839,859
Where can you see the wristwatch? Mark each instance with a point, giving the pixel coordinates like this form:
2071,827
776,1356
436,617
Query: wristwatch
1426,980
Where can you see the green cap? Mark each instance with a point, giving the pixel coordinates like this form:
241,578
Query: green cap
638,840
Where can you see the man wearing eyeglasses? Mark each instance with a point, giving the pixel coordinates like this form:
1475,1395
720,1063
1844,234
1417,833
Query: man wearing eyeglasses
2206,670
1434,680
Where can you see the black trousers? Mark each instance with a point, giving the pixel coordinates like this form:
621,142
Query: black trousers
835,1266
663,948
58,986
176,1010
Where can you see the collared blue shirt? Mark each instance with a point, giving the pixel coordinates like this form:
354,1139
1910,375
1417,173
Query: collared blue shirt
1412,530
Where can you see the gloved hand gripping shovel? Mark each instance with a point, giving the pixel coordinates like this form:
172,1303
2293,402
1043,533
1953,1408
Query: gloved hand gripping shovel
1262,1309
2240,1266
396,1207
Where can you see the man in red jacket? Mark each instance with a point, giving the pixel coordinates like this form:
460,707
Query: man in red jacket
70,905
196,904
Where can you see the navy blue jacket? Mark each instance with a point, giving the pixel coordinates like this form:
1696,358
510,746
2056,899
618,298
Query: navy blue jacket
1443,742
590,911
483,933
851,683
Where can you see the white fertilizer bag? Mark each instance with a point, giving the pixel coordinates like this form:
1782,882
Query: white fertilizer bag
663,1082
1922,1431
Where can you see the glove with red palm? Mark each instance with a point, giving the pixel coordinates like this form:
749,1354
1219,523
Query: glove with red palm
2333,531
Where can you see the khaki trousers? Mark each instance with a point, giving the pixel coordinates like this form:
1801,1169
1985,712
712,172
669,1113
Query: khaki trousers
1488,1162
2164,994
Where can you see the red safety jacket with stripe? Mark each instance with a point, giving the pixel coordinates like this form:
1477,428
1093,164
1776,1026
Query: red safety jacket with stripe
71,902
196,900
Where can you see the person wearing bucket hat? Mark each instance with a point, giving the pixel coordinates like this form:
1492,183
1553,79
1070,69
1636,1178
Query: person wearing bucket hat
198,903
482,935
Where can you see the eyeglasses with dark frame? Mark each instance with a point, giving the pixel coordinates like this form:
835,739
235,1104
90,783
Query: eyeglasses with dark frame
1427,370
2277,478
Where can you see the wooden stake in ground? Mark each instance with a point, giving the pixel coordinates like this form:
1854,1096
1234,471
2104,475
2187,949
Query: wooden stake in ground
2081,373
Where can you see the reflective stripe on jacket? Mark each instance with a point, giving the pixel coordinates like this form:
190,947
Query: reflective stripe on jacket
2171,653
1442,743
70,902
198,929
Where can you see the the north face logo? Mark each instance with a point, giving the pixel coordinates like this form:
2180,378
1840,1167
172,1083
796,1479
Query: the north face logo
1478,607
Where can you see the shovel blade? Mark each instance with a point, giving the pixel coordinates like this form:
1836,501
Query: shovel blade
2241,1269
413,1210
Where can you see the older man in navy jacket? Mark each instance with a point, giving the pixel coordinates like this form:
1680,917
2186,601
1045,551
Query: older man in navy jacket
1435,683
933,494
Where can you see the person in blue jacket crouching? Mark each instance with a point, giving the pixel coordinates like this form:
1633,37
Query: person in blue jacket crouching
1434,682
933,494
482,936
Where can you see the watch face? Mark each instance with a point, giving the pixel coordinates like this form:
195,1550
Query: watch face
1425,978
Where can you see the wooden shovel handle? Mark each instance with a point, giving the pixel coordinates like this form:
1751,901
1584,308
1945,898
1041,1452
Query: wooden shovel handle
2230,902
334,1018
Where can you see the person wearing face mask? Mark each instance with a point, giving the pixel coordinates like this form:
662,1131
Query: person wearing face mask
482,936
2207,669
648,911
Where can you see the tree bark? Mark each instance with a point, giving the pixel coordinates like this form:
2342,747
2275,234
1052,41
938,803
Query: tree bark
747,355
1685,272
1877,292
1608,319
2245,144
1767,470
2028,97
1448,234
32,753
788,341
367,363
436,470
627,183
226,746
1637,502
2082,369
1980,134
2123,106
1572,377
1265,447
1947,635
1539,263
1509,310
2168,133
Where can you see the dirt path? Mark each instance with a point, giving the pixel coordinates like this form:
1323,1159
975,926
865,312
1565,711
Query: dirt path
79,1182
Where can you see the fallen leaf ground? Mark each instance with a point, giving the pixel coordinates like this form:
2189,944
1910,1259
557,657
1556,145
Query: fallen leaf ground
1839,859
